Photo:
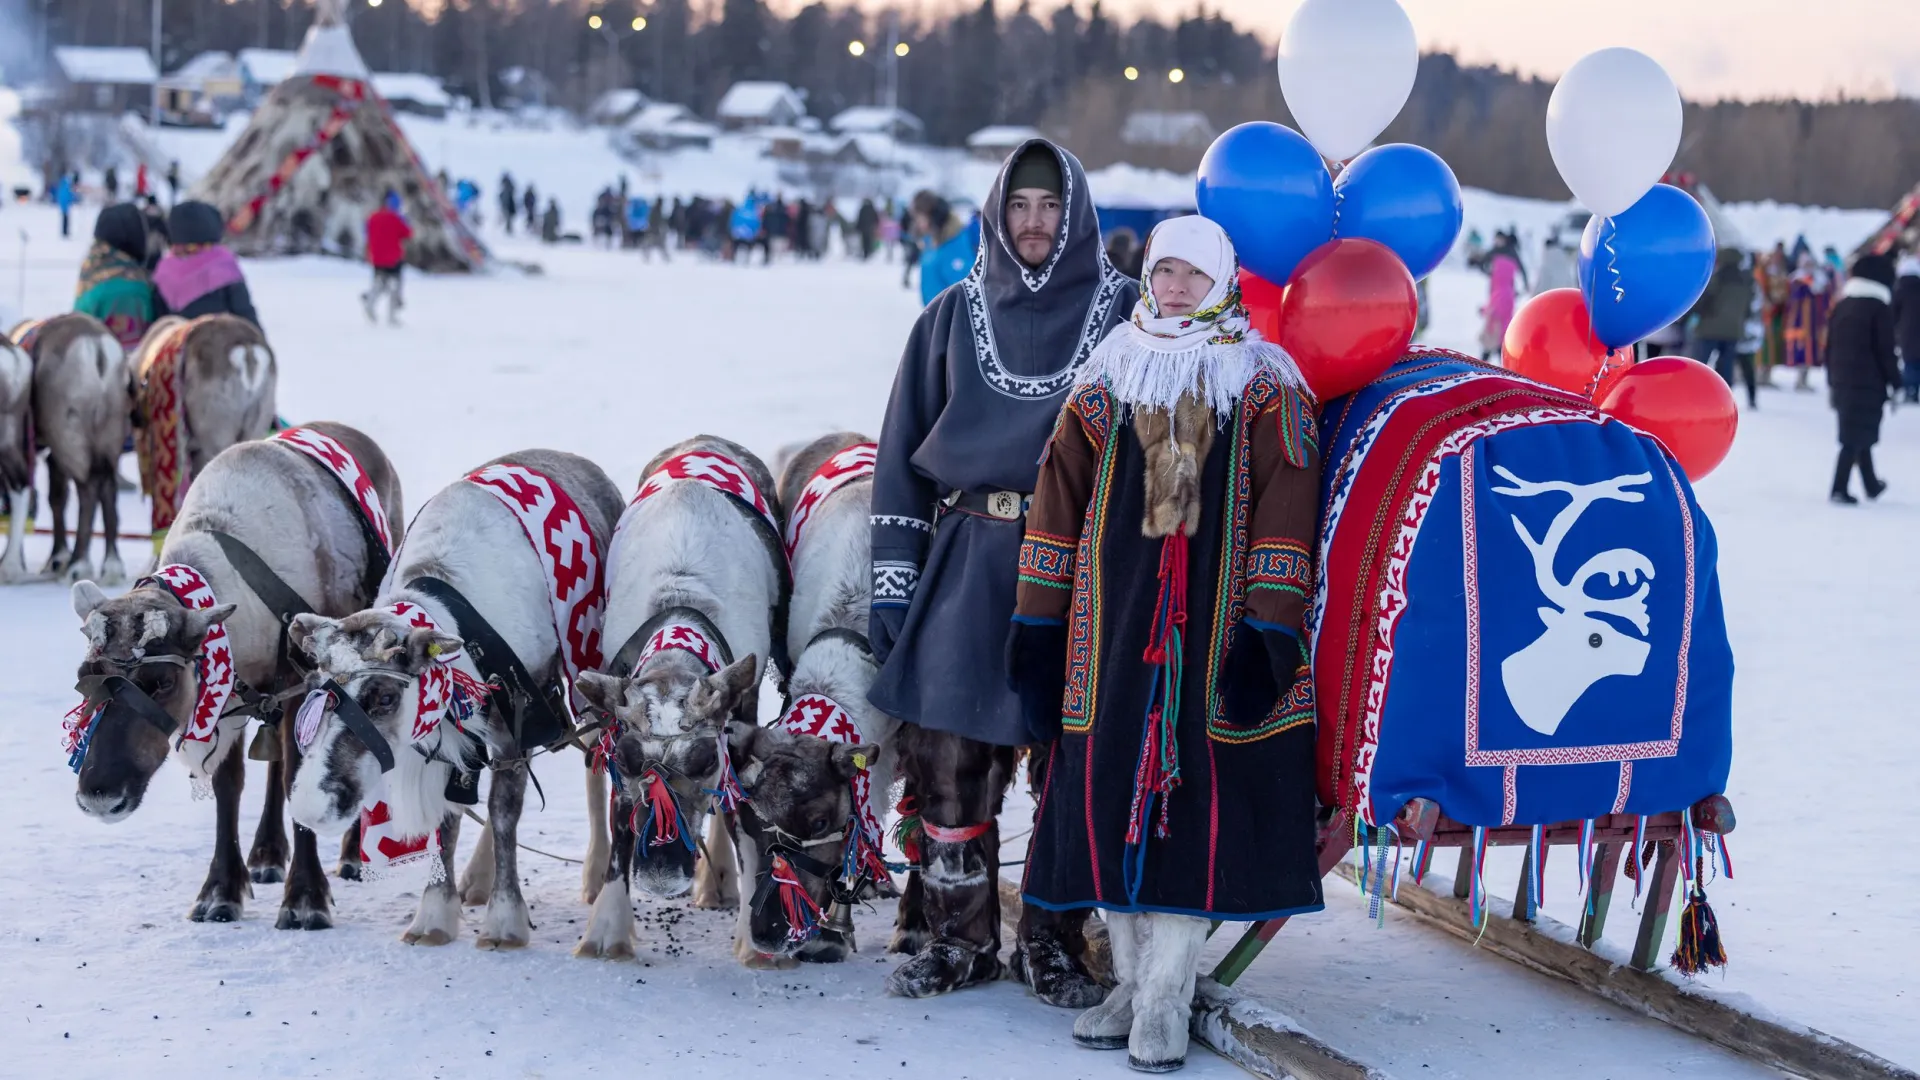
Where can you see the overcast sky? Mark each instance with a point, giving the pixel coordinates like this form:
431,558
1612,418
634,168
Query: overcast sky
1713,48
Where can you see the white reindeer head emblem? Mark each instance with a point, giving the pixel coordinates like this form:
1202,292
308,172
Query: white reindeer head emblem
1546,678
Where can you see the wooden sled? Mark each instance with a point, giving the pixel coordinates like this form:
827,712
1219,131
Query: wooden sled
1423,820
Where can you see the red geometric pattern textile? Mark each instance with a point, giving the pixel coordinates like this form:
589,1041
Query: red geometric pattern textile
346,468
165,471
853,464
576,575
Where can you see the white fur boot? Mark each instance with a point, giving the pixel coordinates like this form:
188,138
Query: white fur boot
1106,1025
1163,993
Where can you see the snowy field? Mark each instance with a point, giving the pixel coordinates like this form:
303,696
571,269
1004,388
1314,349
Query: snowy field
608,357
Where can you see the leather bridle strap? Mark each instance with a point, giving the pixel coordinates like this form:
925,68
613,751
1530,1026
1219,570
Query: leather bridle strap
535,723
629,655
120,689
285,603
359,724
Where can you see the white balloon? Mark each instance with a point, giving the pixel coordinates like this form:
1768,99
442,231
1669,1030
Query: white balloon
1346,68
1613,126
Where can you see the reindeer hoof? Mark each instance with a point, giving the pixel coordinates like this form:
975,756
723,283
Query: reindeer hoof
493,944
436,936
266,875
907,942
216,911
295,919
349,871
475,896
79,571
589,949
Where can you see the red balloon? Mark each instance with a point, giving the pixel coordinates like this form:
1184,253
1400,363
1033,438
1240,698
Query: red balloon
1551,340
1348,314
1262,299
1681,402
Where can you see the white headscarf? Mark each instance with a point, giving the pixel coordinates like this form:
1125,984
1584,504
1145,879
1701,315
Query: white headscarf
1152,360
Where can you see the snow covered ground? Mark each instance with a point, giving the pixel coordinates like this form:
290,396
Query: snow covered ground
609,357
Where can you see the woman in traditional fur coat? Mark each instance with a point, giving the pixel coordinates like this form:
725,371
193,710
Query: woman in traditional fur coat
1165,571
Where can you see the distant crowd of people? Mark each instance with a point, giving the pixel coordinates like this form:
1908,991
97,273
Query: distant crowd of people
1785,308
769,224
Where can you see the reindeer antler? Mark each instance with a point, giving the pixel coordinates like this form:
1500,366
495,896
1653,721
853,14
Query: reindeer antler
1619,566
1568,595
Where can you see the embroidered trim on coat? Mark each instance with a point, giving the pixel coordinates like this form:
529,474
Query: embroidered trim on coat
894,582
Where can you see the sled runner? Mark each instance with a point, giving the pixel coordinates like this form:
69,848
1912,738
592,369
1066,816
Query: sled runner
1517,640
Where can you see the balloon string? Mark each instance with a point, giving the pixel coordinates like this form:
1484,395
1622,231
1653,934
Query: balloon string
1613,257
1339,196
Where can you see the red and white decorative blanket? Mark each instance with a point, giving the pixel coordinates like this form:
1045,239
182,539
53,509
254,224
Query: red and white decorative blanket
685,637
576,574
851,465
345,468
161,442
716,471
816,714
213,665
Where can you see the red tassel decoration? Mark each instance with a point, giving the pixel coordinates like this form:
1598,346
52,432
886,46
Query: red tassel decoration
802,911
907,829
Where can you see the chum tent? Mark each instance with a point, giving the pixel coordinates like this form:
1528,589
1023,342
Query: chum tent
320,154
1902,229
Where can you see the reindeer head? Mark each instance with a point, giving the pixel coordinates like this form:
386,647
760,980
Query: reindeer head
150,639
1579,647
800,807
671,713
376,658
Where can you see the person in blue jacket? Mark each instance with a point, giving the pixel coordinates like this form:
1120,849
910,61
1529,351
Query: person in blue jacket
947,244
64,196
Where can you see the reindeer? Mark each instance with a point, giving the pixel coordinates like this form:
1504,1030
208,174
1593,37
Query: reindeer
827,755
1545,679
298,519
695,585
82,408
464,541
16,456
207,382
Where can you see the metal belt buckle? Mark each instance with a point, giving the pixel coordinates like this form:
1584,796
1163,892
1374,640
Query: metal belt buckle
1004,505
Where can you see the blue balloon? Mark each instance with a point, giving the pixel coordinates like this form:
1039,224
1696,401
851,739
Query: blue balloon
1265,184
1402,196
1646,266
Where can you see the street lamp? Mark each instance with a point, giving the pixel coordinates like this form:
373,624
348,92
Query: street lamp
611,33
901,49
1131,73
1176,75
857,48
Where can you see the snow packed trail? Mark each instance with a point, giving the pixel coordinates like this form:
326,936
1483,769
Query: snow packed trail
609,357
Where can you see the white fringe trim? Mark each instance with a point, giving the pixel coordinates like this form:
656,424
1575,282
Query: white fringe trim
1141,376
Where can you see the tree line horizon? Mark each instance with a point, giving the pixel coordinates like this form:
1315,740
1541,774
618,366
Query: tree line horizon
1076,73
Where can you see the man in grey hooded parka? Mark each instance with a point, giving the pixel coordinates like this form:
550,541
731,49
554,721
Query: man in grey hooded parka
975,400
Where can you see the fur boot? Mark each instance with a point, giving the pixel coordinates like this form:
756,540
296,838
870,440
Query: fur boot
1176,446
1163,996
1107,1025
